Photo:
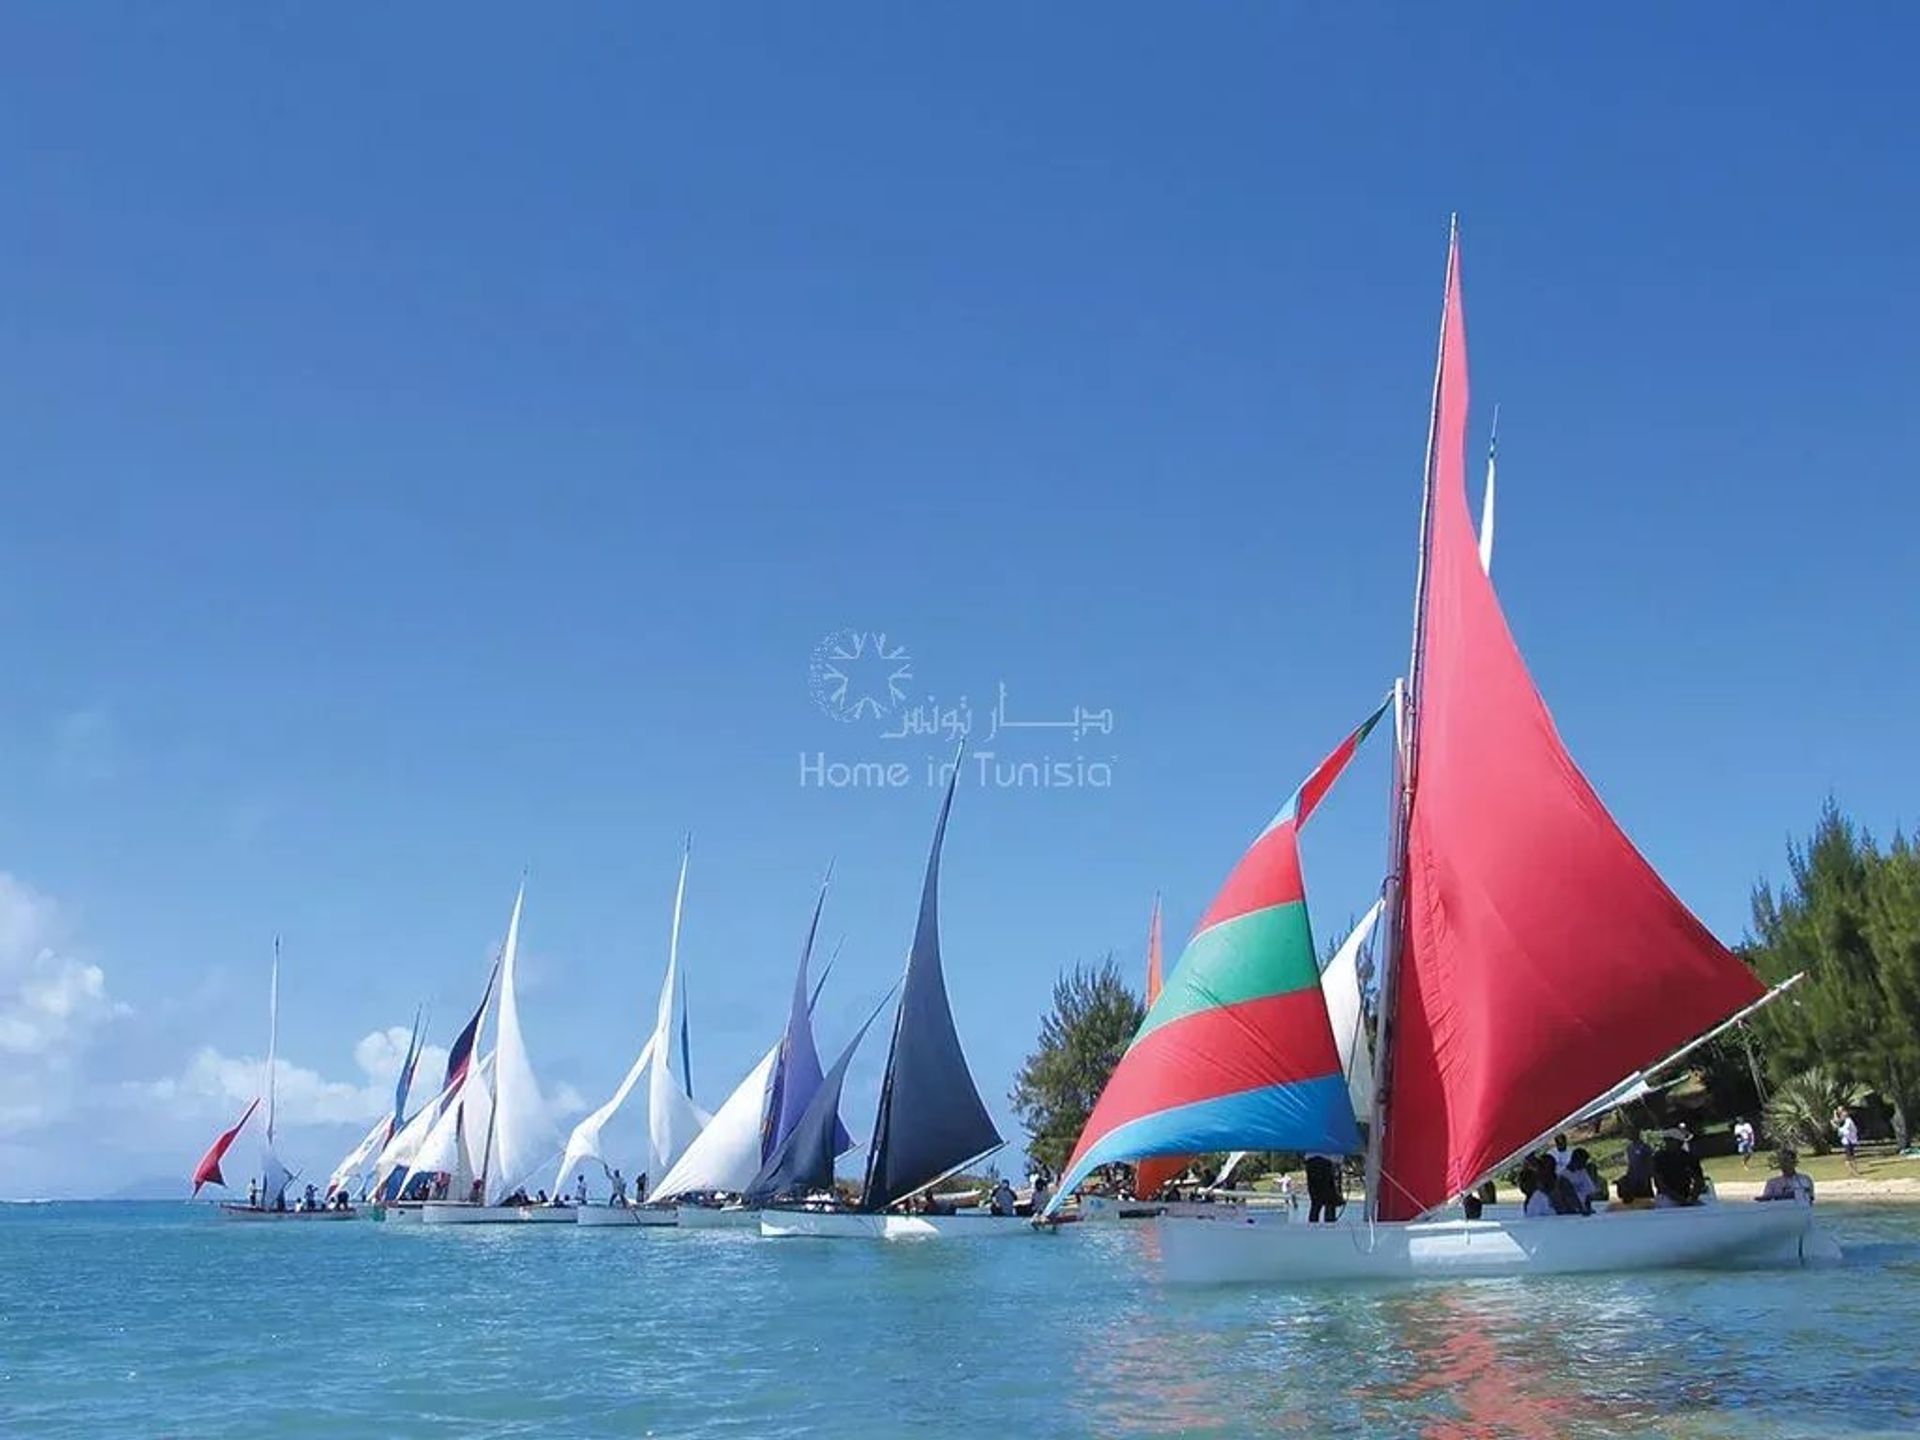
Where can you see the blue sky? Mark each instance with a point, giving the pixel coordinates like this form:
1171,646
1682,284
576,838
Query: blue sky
434,443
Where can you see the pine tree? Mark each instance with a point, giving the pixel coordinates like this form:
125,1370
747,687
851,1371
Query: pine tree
1093,1020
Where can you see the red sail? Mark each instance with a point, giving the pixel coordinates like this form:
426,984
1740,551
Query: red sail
1153,1172
1543,958
207,1172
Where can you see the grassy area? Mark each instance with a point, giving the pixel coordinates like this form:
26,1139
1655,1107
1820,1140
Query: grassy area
1877,1162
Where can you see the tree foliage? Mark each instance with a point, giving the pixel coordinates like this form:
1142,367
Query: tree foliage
1800,1110
1850,918
1093,1020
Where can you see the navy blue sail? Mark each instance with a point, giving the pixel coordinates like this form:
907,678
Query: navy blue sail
803,1162
931,1121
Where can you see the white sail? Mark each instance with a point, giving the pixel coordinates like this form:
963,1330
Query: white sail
398,1152
1340,984
673,1120
726,1155
274,1175
584,1143
354,1167
451,1145
523,1134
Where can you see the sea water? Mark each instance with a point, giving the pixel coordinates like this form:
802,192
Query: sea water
162,1320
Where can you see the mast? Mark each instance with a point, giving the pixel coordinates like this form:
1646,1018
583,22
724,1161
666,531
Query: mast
1407,738
678,985
273,1034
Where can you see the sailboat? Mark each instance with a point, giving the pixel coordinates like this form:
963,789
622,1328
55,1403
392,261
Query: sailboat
673,1121
270,1201
931,1123
1533,961
779,1132
353,1176
396,1187
518,1138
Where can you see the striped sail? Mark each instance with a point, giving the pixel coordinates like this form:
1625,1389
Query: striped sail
1237,1053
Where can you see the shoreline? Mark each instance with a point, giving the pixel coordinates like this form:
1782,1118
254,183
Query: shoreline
1899,1189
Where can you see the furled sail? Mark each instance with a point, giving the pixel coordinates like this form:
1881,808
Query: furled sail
274,1175
1542,959
1237,1053
803,1162
931,1120
524,1137
1340,983
725,1156
207,1172
1153,1172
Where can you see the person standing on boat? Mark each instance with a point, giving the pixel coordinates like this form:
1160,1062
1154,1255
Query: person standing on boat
1323,1189
1789,1184
619,1195
253,1194
580,1189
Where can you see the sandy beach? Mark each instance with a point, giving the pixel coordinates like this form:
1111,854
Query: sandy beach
1901,1188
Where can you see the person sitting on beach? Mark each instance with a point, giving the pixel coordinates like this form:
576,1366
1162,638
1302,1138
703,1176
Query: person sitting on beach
1790,1183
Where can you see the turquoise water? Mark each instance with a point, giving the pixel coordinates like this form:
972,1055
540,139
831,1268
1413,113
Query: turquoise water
159,1320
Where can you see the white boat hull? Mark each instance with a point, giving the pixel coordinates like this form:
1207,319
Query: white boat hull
628,1217
447,1212
716,1217
1257,1248
230,1211
856,1225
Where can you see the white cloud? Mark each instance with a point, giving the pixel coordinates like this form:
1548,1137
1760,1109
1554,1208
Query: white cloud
213,1083
50,1006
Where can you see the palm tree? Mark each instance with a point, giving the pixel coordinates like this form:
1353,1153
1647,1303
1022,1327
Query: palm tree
1801,1110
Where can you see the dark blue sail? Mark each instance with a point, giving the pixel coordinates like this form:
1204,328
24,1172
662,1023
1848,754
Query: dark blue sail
803,1162
931,1120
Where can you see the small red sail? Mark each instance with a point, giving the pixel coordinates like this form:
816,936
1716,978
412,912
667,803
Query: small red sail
1153,1172
207,1172
1543,958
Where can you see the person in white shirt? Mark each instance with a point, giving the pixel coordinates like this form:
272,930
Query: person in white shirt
1743,1140
580,1189
1849,1138
1562,1156
1789,1184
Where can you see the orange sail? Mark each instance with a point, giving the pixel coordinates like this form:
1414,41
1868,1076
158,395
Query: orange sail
1152,1173
1542,959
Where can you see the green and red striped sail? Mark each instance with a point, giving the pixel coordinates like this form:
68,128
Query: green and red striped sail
1237,1052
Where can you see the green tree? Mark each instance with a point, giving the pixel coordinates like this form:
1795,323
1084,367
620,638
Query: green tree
1093,1020
1800,1111
1850,918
